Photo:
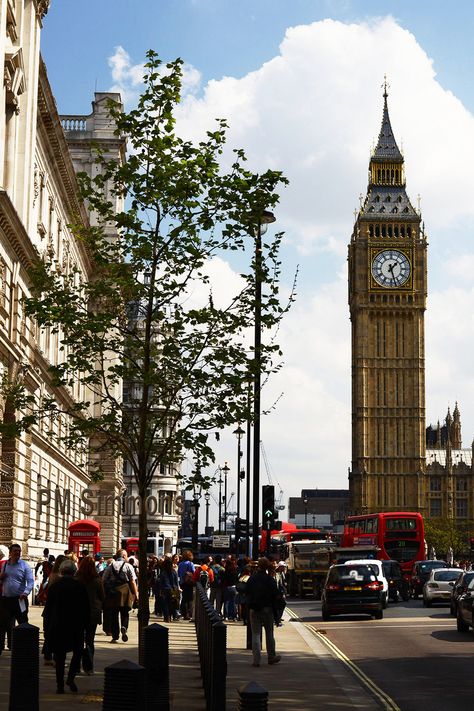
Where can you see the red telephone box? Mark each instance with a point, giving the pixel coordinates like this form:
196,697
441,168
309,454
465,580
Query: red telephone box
84,535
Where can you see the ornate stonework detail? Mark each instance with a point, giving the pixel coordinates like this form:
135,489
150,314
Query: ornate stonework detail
6,487
6,518
42,7
14,78
36,185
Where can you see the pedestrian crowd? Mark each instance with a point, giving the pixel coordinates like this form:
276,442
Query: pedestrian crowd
80,594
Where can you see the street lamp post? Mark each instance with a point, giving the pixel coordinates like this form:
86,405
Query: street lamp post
239,433
219,481
248,463
226,470
207,496
264,220
305,501
196,497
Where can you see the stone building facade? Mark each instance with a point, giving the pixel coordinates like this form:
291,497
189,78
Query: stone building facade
449,477
387,299
396,464
41,483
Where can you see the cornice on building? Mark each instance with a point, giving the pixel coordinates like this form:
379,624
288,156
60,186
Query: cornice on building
50,129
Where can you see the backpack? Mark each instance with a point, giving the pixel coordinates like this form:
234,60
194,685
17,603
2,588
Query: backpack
204,579
217,570
113,581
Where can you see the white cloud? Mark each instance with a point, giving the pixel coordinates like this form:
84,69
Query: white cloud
313,112
128,77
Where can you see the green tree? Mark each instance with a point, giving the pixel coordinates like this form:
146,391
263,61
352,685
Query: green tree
149,318
444,533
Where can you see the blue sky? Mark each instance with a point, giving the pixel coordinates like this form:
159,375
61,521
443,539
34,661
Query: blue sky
308,101
224,37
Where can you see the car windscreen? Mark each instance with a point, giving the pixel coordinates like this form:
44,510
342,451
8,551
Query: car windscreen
445,575
360,573
425,567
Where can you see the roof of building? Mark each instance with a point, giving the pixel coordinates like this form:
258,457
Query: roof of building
387,148
388,201
457,456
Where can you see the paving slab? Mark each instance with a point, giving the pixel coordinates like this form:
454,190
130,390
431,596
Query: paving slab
307,678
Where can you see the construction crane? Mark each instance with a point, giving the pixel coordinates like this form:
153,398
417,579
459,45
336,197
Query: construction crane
278,500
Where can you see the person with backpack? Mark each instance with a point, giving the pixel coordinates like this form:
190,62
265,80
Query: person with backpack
262,594
215,595
169,591
229,589
120,588
204,575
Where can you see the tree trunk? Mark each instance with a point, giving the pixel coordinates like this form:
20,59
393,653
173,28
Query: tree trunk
143,600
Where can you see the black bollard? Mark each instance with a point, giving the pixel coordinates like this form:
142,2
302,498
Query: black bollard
24,668
124,687
253,697
156,663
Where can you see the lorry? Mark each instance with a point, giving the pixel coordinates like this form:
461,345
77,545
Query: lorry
308,563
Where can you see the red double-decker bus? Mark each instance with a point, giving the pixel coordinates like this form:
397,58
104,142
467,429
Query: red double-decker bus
288,532
399,535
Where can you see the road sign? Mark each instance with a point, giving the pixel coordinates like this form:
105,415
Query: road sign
220,541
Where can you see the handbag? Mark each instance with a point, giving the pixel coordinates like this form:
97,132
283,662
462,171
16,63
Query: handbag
125,596
175,596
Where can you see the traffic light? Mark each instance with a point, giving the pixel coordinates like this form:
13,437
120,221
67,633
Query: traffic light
268,505
240,528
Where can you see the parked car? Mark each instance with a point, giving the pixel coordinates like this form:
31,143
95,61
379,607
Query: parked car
439,585
398,586
464,609
378,569
352,588
460,587
420,574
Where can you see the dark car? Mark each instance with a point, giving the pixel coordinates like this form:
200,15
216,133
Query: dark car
421,573
398,586
352,588
460,587
464,611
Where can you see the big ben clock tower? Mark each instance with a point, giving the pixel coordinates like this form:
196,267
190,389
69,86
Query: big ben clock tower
387,299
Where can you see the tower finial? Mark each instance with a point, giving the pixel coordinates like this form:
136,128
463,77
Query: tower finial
385,86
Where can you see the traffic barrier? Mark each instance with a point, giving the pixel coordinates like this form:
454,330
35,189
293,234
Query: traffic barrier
124,687
156,663
24,668
211,634
253,697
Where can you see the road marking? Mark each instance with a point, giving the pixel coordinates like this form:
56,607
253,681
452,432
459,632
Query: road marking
384,698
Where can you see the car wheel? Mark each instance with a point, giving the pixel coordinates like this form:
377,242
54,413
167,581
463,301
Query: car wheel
385,601
394,596
427,603
452,610
461,625
414,595
378,615
325,615
405,596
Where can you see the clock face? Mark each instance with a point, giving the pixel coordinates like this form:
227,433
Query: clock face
391,268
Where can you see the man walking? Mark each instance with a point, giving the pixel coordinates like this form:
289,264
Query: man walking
17,583
262,594
119,575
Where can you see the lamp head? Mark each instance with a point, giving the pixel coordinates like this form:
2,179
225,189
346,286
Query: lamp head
239,432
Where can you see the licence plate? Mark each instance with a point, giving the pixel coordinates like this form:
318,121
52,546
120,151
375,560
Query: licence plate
351,588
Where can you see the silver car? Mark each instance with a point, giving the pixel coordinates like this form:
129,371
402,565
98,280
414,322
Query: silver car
439,586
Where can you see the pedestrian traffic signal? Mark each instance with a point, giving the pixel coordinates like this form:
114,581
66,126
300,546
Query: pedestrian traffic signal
268,504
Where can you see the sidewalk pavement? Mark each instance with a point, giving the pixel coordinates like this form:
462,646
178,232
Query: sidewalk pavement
308,676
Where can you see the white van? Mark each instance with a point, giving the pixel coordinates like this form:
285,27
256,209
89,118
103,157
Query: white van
377,567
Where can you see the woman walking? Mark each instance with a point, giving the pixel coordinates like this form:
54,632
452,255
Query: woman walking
88,575
66,616
169,590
